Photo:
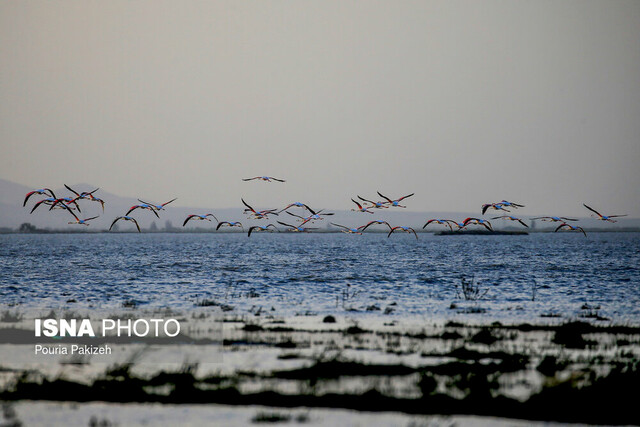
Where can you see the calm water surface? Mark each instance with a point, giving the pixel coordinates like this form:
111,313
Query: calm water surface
297,274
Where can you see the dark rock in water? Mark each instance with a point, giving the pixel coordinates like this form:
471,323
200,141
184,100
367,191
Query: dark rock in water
485,336
450,336
329,319
355,330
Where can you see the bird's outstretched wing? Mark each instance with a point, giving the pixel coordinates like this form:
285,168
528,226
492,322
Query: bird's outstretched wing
338,225
404,197
72,190
592,210
385,197
187,220
114,221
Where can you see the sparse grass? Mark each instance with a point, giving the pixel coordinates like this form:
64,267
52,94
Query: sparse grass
470,290
9,317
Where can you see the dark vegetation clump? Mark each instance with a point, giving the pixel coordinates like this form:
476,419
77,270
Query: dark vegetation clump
485,336
270,417
570,334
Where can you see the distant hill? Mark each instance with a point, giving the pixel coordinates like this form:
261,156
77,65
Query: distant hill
13,214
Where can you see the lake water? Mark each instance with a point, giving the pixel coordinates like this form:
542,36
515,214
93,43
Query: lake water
522,278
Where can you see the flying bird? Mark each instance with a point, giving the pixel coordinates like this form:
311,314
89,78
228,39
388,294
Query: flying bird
298,205
315,216
510,218
553,218
379,222
261,228
396,202
486,224
405,229
360,208
259,214
511,204
157,207
95,199
347,229
440,221
264,178
494,206
143,206
199,217
460,225
43,191
82,221
83,195
295,228
378,205
48,201
571,228
126,218
230,224
86,195
603,217
66,201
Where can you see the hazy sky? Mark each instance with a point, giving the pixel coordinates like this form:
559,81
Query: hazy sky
461,102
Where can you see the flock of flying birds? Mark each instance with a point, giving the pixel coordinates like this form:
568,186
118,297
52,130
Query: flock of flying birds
309,216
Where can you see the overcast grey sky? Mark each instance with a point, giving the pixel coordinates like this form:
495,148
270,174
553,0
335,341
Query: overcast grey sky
461,102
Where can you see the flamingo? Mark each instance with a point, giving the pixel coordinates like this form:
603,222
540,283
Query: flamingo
364,227
571,228
511,218
554,218
396,202
82,221
158,207
478,221
299,229
261,228
440,221
297,204
264,178
259,214
51,201
405,229
47,201
43,191
230,224
126,218
460,225
83,195
143,206
87,195
378,205
511,204
360,208
603,217
96,199
199,217
68,201
347,229
315,216
494,206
